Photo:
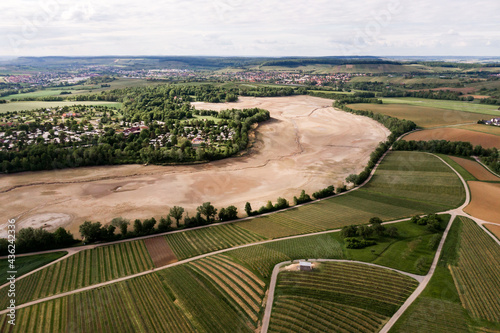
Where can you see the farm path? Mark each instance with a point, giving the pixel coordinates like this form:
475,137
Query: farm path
455,212
276,270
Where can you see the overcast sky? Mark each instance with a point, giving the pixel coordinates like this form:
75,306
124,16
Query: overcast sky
250,28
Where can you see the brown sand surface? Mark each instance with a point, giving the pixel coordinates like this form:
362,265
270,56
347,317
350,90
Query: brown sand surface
456,134
476,169
484,201
306,145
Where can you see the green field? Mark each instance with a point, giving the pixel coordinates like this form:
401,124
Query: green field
20,106
335,297
405,184
137,305
195,242
83,269
27,264
263,258
34,94
446,104
466,278
425,117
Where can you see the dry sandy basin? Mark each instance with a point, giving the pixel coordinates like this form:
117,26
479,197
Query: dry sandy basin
307,145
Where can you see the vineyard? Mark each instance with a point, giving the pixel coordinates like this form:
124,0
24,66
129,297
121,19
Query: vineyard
82,269
195,242
466,278
28,263
263,258
202,302
405,184
137,305
477,272
338,297
243,289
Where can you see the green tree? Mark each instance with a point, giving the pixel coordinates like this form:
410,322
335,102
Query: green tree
62,237
364,231
248,209
208,210
176,212
377,227
148,226
90,232
349,231
165,224
138,227
122,224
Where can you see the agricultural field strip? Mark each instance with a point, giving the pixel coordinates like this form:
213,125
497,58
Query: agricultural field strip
274,278
70,253
479,161
459,210
124,278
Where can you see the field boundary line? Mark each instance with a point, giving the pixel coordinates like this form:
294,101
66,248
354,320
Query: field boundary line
276,270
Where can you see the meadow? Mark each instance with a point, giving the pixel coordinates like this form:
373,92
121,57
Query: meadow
347,297
472,107
20,106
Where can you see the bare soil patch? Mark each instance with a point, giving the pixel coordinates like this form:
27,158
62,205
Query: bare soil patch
456,134
494,229
476,169
307,145
484,201
160,251
47,221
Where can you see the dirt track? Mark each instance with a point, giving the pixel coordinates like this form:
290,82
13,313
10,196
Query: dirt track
307,145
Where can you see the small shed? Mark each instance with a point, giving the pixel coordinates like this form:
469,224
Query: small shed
305,266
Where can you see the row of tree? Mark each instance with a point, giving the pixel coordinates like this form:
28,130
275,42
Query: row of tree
30,240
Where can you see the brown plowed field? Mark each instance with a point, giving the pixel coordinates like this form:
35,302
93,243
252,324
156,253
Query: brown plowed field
485,202
476,169
306,145
494,229
160,251
456,134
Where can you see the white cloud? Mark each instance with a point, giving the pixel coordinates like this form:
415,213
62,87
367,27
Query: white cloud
243,27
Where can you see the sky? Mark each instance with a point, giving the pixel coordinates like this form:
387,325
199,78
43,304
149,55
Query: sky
250,28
